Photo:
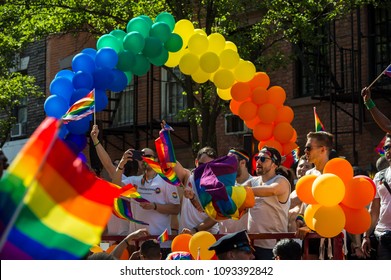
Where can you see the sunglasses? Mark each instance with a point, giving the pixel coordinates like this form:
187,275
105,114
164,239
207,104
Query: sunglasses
262,158
386,148
309,148
149,156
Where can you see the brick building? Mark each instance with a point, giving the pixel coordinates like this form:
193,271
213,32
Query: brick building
329,78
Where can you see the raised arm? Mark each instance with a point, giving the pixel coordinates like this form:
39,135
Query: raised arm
102,154
382,121
279,188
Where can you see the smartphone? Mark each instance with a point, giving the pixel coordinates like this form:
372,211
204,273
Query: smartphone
137,155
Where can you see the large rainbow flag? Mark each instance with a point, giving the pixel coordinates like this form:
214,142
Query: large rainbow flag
51,205
318,124
81,108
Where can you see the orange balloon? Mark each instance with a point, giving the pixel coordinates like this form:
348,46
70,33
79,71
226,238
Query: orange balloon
260,95
267,113
261,144
277,96
304,189
309,214
283,132
247,110
284,114
240,91
340,167
252,123
287,148
275,144
181,243
260,79
125,253
294,137
357,220
263,131
234,106
329,221
358,193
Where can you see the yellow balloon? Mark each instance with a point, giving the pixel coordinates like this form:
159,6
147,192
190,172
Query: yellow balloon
223,79
328,189
216,42
174,58
229,59
189,64
200,31
199,244
209,62
185,29
244,71
224,94
309,215
329,221
198,43
230,46
200,76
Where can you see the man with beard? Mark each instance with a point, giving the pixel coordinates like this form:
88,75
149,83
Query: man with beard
270,212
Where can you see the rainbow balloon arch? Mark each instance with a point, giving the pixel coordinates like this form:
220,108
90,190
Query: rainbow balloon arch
121,54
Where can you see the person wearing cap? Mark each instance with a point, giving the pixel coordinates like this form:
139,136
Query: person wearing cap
234,246
242,179
270,212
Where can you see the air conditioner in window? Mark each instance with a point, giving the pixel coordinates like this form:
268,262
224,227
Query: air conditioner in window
235,125
18,129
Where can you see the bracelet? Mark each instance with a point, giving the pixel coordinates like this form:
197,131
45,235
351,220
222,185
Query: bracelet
120,168
154,208
97,144
300,217
369,104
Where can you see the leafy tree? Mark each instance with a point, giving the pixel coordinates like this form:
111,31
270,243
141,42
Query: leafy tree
256,26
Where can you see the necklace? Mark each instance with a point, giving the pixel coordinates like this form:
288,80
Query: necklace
145,180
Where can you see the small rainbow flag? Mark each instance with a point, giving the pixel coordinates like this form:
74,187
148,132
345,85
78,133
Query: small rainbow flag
51,205
295,154
81,108
318,124
388,71
167,175
379,148
163,237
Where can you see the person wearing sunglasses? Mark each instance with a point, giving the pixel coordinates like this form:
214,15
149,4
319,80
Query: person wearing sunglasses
380,210
382,121
242,179
271,189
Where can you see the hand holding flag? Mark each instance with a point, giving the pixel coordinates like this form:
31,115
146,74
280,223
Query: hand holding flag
386,72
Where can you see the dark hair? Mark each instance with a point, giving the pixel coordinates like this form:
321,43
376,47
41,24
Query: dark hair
101,256
322,137
357,170
287,249
209,151
150,249
287,173
273,153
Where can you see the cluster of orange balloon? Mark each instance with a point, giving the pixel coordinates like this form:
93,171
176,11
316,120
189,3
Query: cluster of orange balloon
209,57
197,245
336,200
262,109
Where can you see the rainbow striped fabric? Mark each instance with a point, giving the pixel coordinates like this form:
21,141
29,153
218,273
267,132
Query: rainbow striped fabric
51,205
122,208
318,124
163,237
388,71
295,154
81,108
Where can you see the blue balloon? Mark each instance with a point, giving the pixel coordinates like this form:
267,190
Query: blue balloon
120,81
76,142
103,77
79,127
82,80
82,157
106,57
63,87
66,74
90,51
78,94
83,62
63,132
101,100
55,106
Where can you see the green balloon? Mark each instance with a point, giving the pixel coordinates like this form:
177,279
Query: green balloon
166,18
140,25
129,76
174,43
153,47
160,30
141,65
125,60
119,34
134,42
147,19
110,41
161,59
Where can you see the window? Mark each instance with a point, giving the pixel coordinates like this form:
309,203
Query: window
234,125
19,129
122,106
173,99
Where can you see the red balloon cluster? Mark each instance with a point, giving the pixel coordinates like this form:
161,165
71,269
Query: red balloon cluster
262,109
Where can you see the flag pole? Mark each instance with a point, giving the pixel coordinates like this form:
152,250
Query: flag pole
94,107
378,77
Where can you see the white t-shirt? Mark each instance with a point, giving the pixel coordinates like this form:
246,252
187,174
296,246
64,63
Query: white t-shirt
384,222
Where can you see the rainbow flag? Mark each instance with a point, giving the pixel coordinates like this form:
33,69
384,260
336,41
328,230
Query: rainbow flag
166,148
295,154
163,237
122,208
379,148
318,124
388,71
81,108
167,175
51,205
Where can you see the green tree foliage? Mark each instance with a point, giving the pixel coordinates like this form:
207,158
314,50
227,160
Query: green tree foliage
256,26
